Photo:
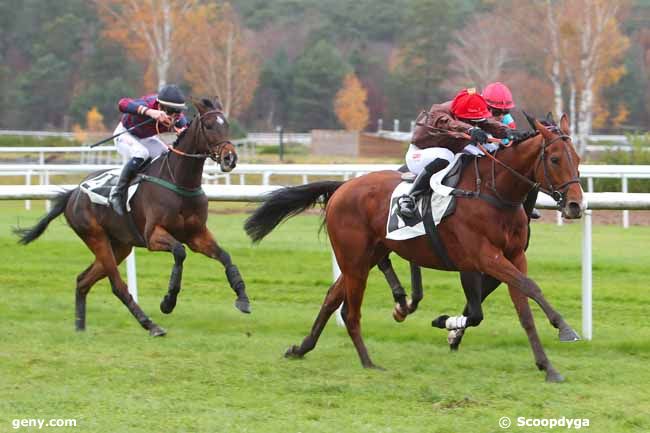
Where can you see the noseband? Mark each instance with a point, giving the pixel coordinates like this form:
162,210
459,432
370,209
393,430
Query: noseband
213,155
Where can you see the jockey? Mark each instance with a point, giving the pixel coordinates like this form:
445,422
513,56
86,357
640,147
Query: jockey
446,129
142,143
500,102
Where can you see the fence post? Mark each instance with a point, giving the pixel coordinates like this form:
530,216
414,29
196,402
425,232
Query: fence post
131,276
48,203
586,276
626,213
28,181
336,273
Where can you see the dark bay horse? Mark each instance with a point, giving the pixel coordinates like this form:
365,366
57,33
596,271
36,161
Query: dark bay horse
485,235
169,209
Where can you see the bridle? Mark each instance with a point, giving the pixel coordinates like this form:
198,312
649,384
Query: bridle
215,154
557,193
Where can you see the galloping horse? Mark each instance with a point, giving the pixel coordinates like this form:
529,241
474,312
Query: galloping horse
169,209
487,233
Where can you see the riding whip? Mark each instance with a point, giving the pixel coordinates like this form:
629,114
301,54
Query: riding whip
123,132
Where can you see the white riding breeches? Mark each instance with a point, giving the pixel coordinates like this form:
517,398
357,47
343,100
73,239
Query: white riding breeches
417,159
130,146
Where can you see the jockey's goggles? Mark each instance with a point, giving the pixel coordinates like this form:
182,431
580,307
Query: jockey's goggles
498,111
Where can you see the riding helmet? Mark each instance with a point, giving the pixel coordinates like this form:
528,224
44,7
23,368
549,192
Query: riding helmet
171,96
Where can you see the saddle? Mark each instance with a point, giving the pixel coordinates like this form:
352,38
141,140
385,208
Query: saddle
431,207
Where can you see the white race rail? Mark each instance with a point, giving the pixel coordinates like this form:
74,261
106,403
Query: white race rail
212,173
248,193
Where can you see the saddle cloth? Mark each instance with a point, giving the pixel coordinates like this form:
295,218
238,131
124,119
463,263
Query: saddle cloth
99,187
442,203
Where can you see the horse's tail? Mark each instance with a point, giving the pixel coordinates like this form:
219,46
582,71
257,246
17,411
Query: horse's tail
285,203
30,234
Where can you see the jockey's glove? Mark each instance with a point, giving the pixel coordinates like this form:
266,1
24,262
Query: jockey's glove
478,135
491,147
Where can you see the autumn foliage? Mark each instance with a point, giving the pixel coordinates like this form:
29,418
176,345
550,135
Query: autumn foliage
217,60
350,104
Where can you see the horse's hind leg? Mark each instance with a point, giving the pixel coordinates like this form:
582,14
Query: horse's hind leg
332,301
401,309
161,240
355,286
204,243
99,244
85,281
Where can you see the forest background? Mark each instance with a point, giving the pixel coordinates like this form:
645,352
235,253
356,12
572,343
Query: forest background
307,64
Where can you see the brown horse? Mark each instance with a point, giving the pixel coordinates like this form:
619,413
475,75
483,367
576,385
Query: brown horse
487,233
168,210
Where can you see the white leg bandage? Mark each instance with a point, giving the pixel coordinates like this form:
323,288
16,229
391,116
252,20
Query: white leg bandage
456,322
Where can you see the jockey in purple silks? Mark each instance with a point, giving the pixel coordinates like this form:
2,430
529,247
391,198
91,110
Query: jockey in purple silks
142,143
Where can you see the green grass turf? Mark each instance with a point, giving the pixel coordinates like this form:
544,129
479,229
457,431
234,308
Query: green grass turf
221,371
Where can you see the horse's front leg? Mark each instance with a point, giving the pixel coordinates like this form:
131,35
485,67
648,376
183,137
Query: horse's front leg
520,287
203,242
528,287
487,286
161,240
473,314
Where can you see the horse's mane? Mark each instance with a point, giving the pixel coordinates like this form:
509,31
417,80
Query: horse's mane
548,122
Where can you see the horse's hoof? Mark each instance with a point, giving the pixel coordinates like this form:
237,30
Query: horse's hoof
554,377
167,306
374,367
292,353
440,322
454,337
243,305
157,331
567,335
398,315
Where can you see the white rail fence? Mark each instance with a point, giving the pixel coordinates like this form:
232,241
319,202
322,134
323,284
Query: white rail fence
212,173
249,193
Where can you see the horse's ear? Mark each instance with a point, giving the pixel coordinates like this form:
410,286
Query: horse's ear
549,118
548,135
564,124
216,101
531,121
199,104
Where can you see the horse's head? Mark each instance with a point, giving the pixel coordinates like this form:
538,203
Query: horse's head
214,130
557,168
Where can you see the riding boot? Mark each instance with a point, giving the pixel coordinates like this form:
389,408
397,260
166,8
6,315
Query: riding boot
529,205
117,198
407,202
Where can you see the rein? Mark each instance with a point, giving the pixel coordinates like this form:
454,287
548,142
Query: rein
558,194
215,156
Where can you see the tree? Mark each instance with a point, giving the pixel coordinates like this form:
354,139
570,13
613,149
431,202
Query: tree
579,46
147,29
479,56
317,76
217,60
350,104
